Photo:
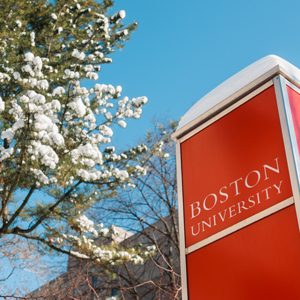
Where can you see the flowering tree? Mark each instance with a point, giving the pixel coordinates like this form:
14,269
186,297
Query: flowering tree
56,150
149,213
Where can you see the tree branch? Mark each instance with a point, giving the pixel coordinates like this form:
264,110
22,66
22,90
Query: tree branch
7,277
18,211
18,230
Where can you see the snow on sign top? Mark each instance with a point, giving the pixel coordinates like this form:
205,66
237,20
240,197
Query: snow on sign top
250,77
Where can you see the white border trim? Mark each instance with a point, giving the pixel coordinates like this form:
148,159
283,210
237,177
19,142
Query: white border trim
240,93
226,111
181,224
292,128
207,119
284,203
288,132
267,212
233,88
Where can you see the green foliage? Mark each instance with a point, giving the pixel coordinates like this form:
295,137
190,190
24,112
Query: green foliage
56,132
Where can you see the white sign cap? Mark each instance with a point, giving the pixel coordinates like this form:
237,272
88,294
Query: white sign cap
235,87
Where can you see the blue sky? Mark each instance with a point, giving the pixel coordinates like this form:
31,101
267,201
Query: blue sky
184,49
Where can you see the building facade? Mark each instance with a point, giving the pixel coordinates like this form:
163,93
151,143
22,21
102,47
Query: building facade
158,278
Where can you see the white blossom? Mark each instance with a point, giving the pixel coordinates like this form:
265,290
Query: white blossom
122,175
55,105
19,23
78,107
87,154
5,153
29,57
4,77
32,38
122,14
71,74
105,130
43,84
2,105
55,130
8,134
17,75
92,75
44,153
54,16
77,54
122,123
58,91
86,225
40,176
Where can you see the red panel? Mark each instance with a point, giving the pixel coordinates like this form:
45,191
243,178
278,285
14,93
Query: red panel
294,98
226,168
259,262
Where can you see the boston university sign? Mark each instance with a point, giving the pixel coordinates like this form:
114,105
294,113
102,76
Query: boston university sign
238,166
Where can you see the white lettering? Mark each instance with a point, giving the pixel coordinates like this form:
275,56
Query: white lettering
256,181
266,190
215,200
273,169
278,187
226,193
222,216
196,210
241,205
235,183
206,224
222,193
232,211
198,231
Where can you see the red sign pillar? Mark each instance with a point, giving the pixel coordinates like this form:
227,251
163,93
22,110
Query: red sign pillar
238,169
